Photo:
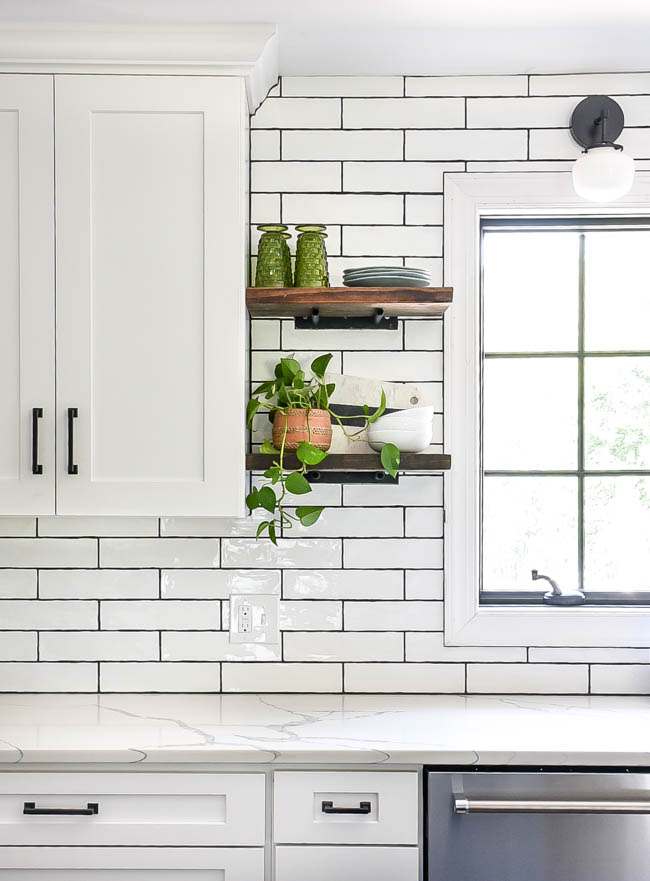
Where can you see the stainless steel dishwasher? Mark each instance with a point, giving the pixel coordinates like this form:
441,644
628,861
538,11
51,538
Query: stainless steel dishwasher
538,825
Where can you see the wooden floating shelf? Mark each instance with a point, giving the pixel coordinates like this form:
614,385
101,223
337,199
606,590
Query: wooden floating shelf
355,462
347,302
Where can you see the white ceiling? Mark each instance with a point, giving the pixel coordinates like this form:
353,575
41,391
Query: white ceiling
403,36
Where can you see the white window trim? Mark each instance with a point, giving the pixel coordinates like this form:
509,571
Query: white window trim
468,198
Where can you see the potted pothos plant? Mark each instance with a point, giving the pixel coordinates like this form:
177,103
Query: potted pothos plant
299,409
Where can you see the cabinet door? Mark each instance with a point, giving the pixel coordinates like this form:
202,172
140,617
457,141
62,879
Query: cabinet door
150,295
26,294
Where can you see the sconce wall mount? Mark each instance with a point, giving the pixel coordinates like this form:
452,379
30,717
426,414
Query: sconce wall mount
603,172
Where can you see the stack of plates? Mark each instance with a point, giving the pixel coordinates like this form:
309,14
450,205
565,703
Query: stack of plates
386,277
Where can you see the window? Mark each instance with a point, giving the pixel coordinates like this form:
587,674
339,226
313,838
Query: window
565,412
547,411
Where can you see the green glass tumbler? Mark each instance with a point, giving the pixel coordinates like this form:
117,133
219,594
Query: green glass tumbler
311,257
273,257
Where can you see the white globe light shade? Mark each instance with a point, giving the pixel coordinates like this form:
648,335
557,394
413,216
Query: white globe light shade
603,174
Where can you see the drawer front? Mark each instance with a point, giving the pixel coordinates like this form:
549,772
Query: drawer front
346,863
345,807
136,809
131,864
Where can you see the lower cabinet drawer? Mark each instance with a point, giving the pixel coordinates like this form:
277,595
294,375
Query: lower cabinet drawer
346,864
131,864
346,807
132,808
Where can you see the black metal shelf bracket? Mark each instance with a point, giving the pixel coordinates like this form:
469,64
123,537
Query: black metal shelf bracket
359,477
377,321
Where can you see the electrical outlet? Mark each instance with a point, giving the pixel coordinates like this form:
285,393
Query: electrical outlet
254,618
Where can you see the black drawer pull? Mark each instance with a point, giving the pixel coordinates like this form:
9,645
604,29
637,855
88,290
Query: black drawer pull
30,808
73,412
328,808
37,413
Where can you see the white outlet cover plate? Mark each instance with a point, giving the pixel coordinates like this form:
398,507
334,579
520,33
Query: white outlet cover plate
254,618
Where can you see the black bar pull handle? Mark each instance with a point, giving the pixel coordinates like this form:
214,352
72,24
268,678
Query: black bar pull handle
328,808
73,412
31,810
37,413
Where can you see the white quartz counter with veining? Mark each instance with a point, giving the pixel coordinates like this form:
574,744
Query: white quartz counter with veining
333,729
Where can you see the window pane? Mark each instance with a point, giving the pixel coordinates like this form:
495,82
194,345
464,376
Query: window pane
529,523
617,533
530,291
617,413
617,290
530,414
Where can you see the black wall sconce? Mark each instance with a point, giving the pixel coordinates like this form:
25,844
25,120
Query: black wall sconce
603,172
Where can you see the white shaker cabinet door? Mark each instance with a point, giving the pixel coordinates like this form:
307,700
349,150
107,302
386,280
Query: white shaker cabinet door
150,249
26,295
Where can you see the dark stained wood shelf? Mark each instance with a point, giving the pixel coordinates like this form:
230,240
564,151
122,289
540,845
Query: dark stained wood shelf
347,302
355,462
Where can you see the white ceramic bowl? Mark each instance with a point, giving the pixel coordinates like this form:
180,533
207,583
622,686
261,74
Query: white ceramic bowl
412,416
407,440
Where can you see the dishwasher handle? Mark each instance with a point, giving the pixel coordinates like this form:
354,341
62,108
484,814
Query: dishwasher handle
464,805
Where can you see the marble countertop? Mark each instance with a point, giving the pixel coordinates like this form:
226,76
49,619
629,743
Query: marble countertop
335,729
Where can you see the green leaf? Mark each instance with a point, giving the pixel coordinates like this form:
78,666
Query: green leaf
267,499
267,448
378,412
272,532
251,409
298,380
264,387
319,365
390,459
297,484
289,367
309,454
253,500
272,474
261,527
308,514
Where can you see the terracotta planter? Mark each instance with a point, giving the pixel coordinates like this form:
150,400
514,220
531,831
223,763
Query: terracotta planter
314,426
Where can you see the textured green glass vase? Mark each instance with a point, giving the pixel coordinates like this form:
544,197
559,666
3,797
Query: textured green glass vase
311,257
273,257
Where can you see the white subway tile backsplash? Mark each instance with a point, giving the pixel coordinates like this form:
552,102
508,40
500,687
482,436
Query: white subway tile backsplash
589,655
212,646
431,647
579,84
553,144
295,177
397,177
310,615
50,553
423,334
393,553
265,333
466,144
342,145
380,113
204,584
295,340
99,646
17,583
424,584
342,522
334,646
342,208
411,490
394,366
290,113
194,527
160,615
490,113
342,584
159,677
36,677
265,145
410,241
89,584
96,526
263,363
18,647
15,527
467,85
48,615
342,86
423,210
528,678
405,678
424,522
404,615
291,553
284,678
620,679
265,208
158,552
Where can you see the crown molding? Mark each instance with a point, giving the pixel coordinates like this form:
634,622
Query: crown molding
245,50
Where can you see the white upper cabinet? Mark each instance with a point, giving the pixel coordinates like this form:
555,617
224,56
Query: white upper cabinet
26,295
150,259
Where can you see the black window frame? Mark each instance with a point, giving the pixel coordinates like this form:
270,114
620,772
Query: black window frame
580,225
